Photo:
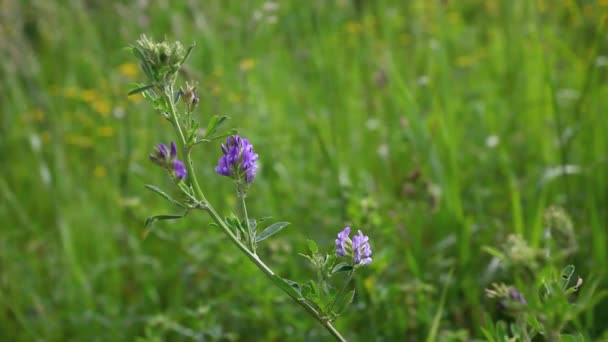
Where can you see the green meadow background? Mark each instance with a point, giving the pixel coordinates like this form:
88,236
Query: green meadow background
436,127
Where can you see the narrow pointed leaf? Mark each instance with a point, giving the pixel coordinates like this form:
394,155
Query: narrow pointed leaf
151,219
312,246
214,124
432,336
286,287
344,301
165,195
140,89
188,52
341,267
271,231
566,275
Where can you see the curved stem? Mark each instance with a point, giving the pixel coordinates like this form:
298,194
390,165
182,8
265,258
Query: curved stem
220,222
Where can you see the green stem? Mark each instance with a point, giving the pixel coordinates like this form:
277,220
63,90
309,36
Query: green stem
249,230
220,222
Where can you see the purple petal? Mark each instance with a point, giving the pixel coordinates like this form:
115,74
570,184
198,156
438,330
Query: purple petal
179,169
173,150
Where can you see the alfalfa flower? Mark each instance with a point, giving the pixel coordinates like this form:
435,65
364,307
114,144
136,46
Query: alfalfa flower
358,248
343,242
239,161
166,157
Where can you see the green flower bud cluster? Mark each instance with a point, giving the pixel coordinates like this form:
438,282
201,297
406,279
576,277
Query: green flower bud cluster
160,61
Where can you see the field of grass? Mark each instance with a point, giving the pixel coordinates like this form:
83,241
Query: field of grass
440,128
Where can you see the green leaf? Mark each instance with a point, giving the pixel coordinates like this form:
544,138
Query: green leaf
188,53
165,195
328,263
488,335
534,323
494,252
566,275
432,336
192,133
341,267
151,219
310,291
571,338
312,261
214,124
312,246
286,286
274,228
344,301
501,331
140,89
489,330
233,222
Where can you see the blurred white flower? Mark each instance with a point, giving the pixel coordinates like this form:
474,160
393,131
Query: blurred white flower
492,141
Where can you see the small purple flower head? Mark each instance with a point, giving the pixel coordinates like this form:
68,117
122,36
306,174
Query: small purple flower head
161,154
362,252
238,160
343,241
166,157
358,247
173,150
517,296
179,169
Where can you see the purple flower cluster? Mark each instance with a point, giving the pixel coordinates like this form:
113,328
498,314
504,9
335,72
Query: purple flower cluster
238,160
358,247
517,296
166,157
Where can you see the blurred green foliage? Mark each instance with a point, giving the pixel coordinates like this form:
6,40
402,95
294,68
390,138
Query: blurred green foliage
439,127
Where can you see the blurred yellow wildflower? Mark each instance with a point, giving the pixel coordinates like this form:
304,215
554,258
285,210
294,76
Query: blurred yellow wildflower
603,2
541,6
369,22
101,106
70,92
38,115
46,137
85,119
369,283
129,70
105,131
88,95
135,98
235,98
217,72
216,90
100,171
247,64
454,17
353,27
465,61
79,141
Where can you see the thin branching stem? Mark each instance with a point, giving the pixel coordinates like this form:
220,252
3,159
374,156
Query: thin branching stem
229,233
